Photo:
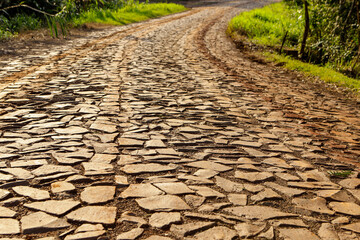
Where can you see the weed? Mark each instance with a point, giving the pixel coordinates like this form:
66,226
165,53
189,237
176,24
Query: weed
340,174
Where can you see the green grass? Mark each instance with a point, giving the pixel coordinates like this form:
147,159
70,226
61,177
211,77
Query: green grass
340,174
268,25
324,73
128,14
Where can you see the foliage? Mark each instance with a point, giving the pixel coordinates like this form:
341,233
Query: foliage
268,25
340,174
128,14
324,73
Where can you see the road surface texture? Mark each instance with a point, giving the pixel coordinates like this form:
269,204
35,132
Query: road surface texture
164,130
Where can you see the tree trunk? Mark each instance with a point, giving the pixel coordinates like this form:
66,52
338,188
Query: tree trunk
306,30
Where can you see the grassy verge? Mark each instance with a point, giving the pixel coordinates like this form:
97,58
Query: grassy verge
268,26
323,73
128,14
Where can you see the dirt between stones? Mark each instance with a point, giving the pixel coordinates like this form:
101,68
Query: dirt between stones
172,100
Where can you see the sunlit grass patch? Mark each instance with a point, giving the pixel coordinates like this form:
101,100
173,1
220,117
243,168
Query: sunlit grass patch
128,14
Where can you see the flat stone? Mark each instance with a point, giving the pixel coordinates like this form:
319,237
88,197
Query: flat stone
9,226
53,169
108,128
302,165
228,185
85,235
94,168
313,175
355,227
288,223
163,203
213,207
350,183
146,168
33,193
157,237
206,173
160,220
130,235
89,227
249,167
94,214
28,163
297,234
206,191
141,190
71,130
194,200
62,186
155,143
121,180
19,173
4,193
327,232
340,220
55,207
103,158
287,176
258,212
291,192
266,194
216,233
175,188
315,205
6,212
269,234
209,165
277,162
248,230
238,199
336,195
129,142
190,228
254,177
254,188
41,222
130,217
97,194
314,185
348,208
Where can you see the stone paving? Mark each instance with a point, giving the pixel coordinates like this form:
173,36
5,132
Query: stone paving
162,130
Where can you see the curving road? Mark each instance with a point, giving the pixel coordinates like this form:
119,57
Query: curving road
164,130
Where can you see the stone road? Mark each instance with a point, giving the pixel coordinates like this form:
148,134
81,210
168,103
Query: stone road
163,130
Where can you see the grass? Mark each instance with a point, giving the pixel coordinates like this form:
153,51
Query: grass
128,14
268,25
324,73
340,174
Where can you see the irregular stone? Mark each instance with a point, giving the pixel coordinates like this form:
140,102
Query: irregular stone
287,177
297,234
9,226
141,190
247,230
266,194
163,203
93,168
4,193
350,183
247,144
355,227
228,185
302,165
85,235
128,159
206,173
254,188
108,128
277,162
249,167
89,227
216,233
130,235
340,220
348,208
258,212
238,199
313,175
155,143
6,212
52,169
206,191
327,232
19,173
254,177
291,192
336,195
157,237
190,228
33,193
62,186
94,214
71,130
55,207
213,207
160,220
315,205
146,168
174,188
41,222
269,234
194,200
103,158
130,217
121,180
97,194
209,165
129,142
